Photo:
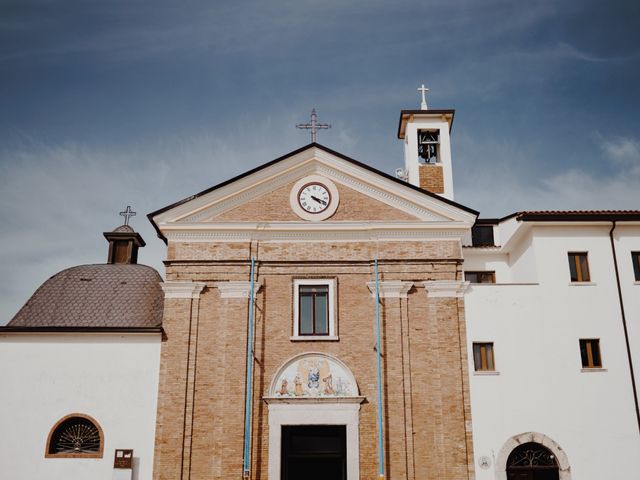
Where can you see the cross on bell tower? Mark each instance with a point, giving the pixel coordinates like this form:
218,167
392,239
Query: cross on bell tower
314,126
127,214
423,104
427,147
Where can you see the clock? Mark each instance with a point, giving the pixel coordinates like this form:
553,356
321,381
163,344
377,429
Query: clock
314,198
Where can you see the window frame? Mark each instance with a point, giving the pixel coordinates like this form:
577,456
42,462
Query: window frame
331,309
575,264
53,429
635,263
484,272
485,358
479,236
589,342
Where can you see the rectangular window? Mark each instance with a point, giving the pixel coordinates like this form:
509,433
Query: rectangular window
483,357
482,236
480,277
590,353
579,267
635,259
313,309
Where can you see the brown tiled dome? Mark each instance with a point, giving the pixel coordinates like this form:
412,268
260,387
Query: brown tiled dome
111,295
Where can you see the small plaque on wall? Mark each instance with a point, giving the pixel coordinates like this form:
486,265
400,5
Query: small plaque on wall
123,459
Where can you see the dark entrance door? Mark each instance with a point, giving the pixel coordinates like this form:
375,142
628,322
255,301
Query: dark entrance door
314,452
532,461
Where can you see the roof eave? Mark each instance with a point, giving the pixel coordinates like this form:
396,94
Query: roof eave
151,215
405,115
10,329
578,217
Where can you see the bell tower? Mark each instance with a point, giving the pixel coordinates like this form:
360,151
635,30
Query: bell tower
427,148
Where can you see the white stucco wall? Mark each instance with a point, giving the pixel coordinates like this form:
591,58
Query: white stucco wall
43,377
540,385
411,157
627,240
484,260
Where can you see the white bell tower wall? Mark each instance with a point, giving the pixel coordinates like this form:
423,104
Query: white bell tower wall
434,173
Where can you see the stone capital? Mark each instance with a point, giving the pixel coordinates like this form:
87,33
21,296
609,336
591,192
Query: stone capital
182,289
237,289
445,288
390,288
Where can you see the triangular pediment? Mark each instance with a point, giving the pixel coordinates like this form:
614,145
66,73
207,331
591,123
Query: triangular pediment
263,196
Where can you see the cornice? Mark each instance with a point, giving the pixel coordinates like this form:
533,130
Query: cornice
318,161
311,400
249,194
193,237
237,289
390,288
388,197
301,231
249,182
182,289
481,250
445,288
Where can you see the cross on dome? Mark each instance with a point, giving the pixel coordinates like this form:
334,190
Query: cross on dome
314,126
423,90
127,213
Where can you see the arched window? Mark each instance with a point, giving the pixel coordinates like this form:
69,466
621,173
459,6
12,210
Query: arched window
532,461
75,436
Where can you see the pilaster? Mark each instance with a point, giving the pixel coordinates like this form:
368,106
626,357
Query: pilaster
390,288
177,379
445,288
237,289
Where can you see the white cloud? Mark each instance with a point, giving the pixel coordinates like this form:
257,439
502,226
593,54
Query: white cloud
622,149
509,178
55,201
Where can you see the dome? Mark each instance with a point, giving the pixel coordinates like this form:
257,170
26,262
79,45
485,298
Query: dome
105,295
124,229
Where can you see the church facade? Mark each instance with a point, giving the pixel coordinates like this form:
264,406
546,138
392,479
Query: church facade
322,319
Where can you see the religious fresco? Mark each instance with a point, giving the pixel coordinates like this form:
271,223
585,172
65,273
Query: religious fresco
312,376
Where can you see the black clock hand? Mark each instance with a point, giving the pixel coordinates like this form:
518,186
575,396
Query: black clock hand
318,200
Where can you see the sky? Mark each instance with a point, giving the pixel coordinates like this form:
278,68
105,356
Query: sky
112,103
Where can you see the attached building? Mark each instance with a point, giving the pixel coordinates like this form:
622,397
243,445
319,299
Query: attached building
322,319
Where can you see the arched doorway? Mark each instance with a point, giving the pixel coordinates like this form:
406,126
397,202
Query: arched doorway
532,461
314,406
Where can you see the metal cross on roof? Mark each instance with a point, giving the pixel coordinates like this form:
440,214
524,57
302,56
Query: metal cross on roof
423,90
126,214
314,126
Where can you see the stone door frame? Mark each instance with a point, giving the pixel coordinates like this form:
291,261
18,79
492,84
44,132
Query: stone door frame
316,411
564,469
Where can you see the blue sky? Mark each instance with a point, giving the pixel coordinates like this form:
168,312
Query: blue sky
113,103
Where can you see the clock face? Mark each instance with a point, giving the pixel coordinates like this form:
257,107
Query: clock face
314,197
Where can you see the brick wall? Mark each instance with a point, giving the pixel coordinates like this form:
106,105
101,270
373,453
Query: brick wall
274,206
427,418
427,415
431,178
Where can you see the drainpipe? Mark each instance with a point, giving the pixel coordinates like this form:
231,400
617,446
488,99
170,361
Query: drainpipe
380,406
247,409
624,323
